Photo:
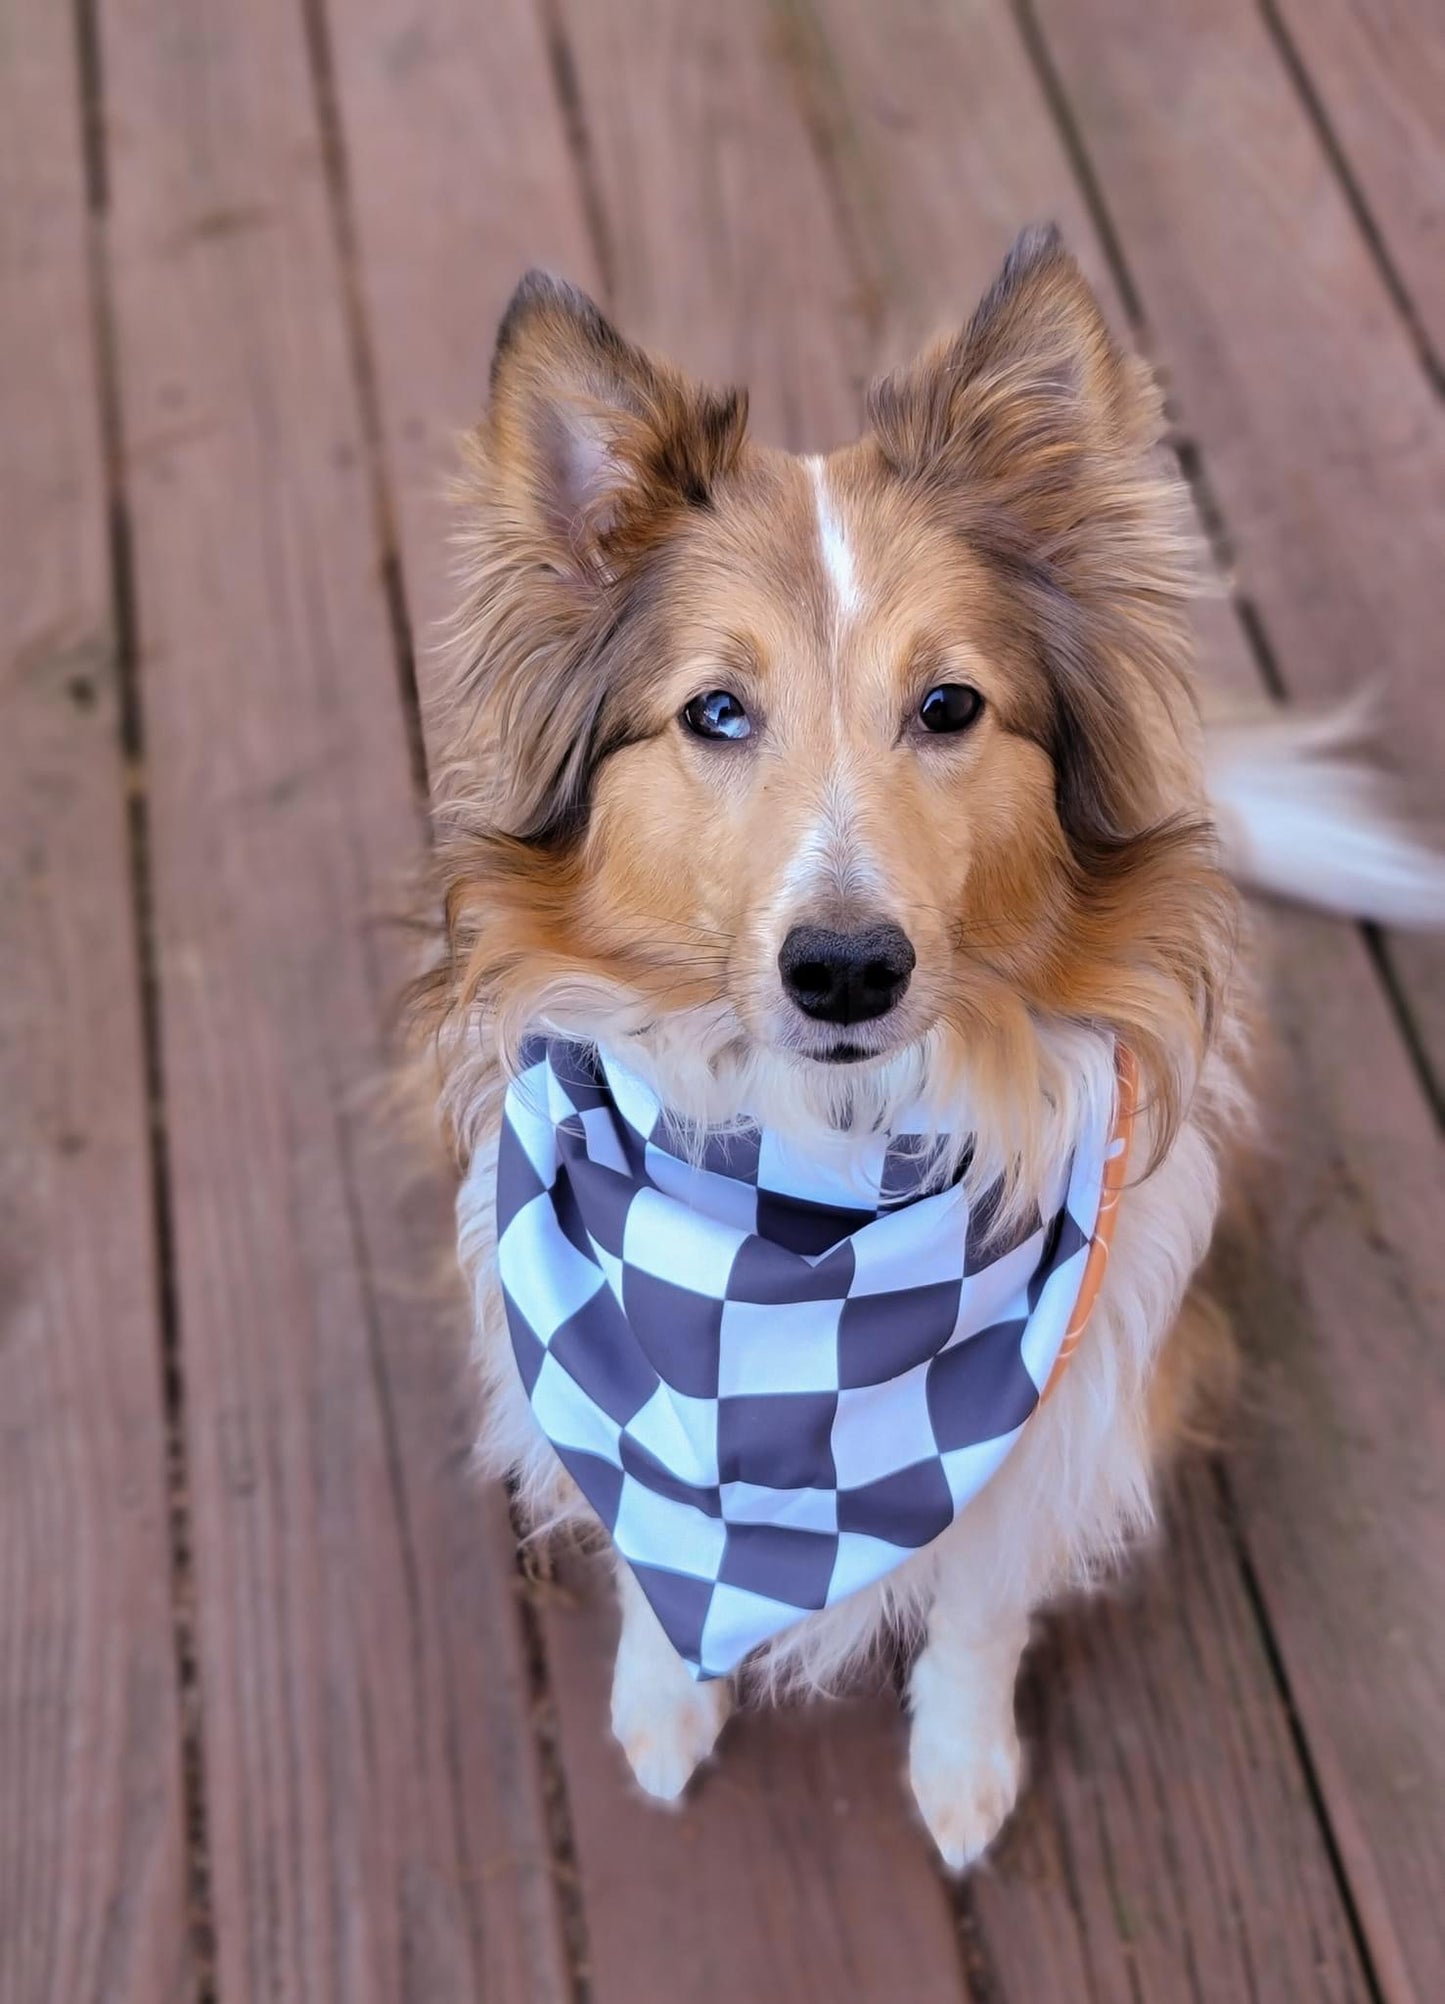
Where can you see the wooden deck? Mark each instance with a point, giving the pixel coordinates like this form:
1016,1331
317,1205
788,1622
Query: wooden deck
279,1717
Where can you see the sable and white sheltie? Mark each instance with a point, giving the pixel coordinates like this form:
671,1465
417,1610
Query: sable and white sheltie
702,693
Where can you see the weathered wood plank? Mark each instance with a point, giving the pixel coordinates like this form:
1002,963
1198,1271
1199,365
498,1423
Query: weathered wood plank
1377,74
1159,1857
375,1814
915,117
92,1859
461,179
724,251
1340,1465
1340,1482
1321,435
433,119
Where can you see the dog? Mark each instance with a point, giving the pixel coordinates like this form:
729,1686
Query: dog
862,790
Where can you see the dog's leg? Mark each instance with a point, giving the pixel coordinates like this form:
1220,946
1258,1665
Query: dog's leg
963,1752
667,1723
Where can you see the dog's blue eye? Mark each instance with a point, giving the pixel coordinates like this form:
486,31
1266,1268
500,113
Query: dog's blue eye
718,714
952,706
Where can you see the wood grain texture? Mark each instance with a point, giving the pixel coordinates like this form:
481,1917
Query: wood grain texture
92,1866
915,114
460,178
1340,1465
725,253
1287,358
1340,1487
1336,1280
1376,69
375,1817
1160,1856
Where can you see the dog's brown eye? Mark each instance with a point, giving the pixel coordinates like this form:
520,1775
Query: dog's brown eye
718,714
952,706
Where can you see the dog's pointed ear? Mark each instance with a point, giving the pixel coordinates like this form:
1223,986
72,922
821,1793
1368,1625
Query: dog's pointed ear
595,444
1033,392
1033,433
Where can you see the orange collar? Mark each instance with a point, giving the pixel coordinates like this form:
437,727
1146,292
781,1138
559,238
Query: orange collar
1116,1169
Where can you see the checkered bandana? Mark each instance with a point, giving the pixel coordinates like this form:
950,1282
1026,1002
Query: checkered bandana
772,1378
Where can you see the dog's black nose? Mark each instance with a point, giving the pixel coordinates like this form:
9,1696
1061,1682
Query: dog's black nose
846,977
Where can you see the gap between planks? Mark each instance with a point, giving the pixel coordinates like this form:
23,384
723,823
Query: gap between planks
1297,69
567,90
200,1915
1255,1595
132,733
534,1578
317,29
366,380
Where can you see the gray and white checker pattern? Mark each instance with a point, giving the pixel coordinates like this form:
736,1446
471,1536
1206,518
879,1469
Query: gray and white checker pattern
772,1379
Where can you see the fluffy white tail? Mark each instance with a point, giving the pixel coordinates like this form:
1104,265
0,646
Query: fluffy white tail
1302,813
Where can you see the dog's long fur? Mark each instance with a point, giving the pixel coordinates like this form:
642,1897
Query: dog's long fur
1005,522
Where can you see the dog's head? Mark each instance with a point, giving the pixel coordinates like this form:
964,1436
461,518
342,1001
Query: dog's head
822,761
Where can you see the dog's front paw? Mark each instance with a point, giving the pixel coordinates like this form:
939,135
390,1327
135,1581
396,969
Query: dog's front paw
965,1785
667,1733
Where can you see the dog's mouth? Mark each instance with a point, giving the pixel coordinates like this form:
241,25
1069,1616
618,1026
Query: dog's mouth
843,1053
815,1043
846,1046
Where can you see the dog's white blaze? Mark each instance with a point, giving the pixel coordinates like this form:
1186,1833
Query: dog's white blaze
838,564
812,858
829,856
